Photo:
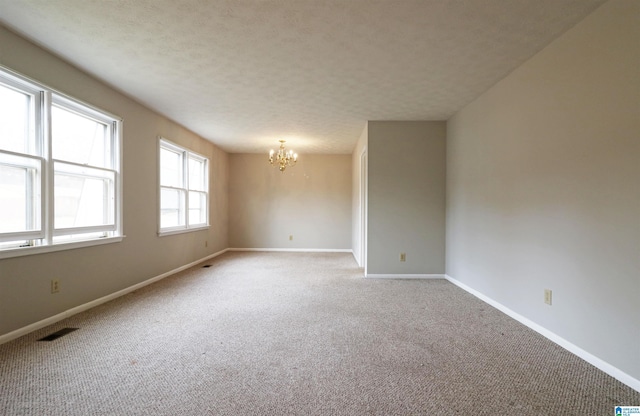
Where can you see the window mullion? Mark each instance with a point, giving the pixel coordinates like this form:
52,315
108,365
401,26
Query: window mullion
106,212
33,111
116,149
22,235
30,190
47,197
109,191
79,230
173,187
187,186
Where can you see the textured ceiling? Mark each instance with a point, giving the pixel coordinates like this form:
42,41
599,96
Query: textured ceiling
244,74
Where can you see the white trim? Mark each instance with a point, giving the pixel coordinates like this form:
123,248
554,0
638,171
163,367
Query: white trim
27,251
404,276
356,259
81,308
586,356
364,207
297,250
182,230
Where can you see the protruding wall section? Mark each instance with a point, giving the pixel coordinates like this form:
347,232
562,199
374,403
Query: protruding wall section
406,197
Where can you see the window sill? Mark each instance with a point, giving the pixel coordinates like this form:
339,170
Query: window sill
182,230
27,251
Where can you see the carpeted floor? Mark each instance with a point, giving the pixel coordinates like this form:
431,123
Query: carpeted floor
298,334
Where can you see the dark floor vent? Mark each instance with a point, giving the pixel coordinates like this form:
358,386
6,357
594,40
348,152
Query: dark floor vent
58,334
206,265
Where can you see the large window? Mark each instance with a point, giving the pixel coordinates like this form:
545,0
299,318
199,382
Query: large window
184,189
59,170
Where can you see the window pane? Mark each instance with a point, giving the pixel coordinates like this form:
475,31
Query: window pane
170,168
82,201
197,208
79,139
16,210
196,174
171,208
14,121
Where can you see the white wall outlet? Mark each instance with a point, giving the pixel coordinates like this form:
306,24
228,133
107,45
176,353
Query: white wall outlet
403,256
547,296
55,286
290,237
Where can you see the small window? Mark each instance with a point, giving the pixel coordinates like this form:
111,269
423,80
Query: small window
184,189
59,180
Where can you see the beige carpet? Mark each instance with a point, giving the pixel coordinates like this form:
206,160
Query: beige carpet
298,334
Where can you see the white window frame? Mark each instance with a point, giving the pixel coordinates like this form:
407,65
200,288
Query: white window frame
184,187
41,239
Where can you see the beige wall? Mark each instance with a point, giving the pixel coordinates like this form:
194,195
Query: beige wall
406,197
89,273
543,175
311,201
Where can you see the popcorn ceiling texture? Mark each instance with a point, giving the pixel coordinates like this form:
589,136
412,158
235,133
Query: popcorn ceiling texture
244,74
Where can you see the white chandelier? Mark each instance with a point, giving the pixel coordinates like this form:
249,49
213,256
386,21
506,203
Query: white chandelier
282,159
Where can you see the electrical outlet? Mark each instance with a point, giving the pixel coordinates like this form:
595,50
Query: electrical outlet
290,237
547,296
55,286
403,256
206,244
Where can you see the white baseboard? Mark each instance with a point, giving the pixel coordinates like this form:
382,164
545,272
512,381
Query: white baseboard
297,250
588,357
81,308
404,276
